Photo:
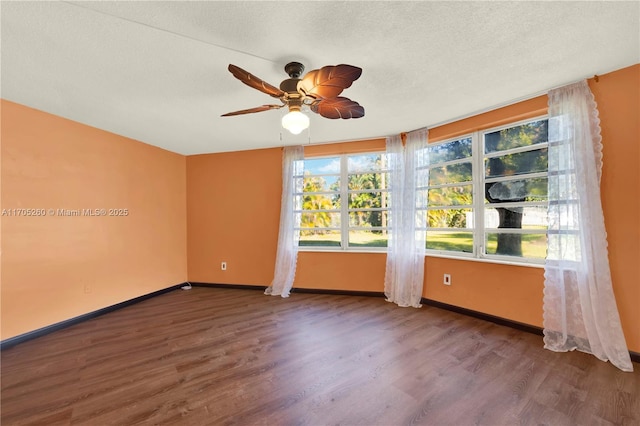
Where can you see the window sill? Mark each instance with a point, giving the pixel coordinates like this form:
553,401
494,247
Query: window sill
334,250
488,260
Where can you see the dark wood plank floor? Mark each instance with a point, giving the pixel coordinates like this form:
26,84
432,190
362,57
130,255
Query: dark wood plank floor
224,356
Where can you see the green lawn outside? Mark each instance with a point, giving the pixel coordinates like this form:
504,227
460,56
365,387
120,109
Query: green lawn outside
356,239
533,245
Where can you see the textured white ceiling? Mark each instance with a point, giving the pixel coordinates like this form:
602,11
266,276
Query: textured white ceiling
157,71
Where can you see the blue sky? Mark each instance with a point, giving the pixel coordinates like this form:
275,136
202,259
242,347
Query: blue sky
364,162
322,165
331,165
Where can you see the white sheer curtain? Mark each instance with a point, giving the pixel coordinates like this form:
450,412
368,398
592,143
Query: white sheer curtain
289,236
580,310
404,272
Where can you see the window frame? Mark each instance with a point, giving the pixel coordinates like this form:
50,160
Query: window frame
472,206
344,210
301,211
479,206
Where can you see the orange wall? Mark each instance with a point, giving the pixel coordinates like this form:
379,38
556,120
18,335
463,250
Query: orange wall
54,268
221,228
233,210
618,98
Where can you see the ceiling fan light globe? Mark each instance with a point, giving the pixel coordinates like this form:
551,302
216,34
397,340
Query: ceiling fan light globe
295,122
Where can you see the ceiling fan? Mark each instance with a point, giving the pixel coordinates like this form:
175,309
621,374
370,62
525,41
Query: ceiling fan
318,89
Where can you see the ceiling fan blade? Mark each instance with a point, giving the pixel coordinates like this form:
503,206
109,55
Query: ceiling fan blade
252,110
339,107
255,82
329,81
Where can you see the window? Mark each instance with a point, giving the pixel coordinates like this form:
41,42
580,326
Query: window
449,194
344,202
485,197
487,194
515,188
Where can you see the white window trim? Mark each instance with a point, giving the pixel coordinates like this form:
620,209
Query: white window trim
344,208
478,205
479,237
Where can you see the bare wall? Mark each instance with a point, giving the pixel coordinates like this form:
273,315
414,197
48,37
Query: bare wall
56,267
233,208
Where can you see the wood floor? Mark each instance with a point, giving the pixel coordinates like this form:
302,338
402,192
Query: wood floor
224,356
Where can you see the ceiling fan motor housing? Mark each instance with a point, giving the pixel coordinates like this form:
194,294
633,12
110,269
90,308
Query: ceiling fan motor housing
294,69
290,85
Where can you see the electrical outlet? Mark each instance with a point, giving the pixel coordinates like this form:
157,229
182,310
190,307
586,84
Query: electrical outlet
447,279
223,266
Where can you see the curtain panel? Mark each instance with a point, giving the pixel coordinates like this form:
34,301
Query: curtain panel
289,234
404,273
580,311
